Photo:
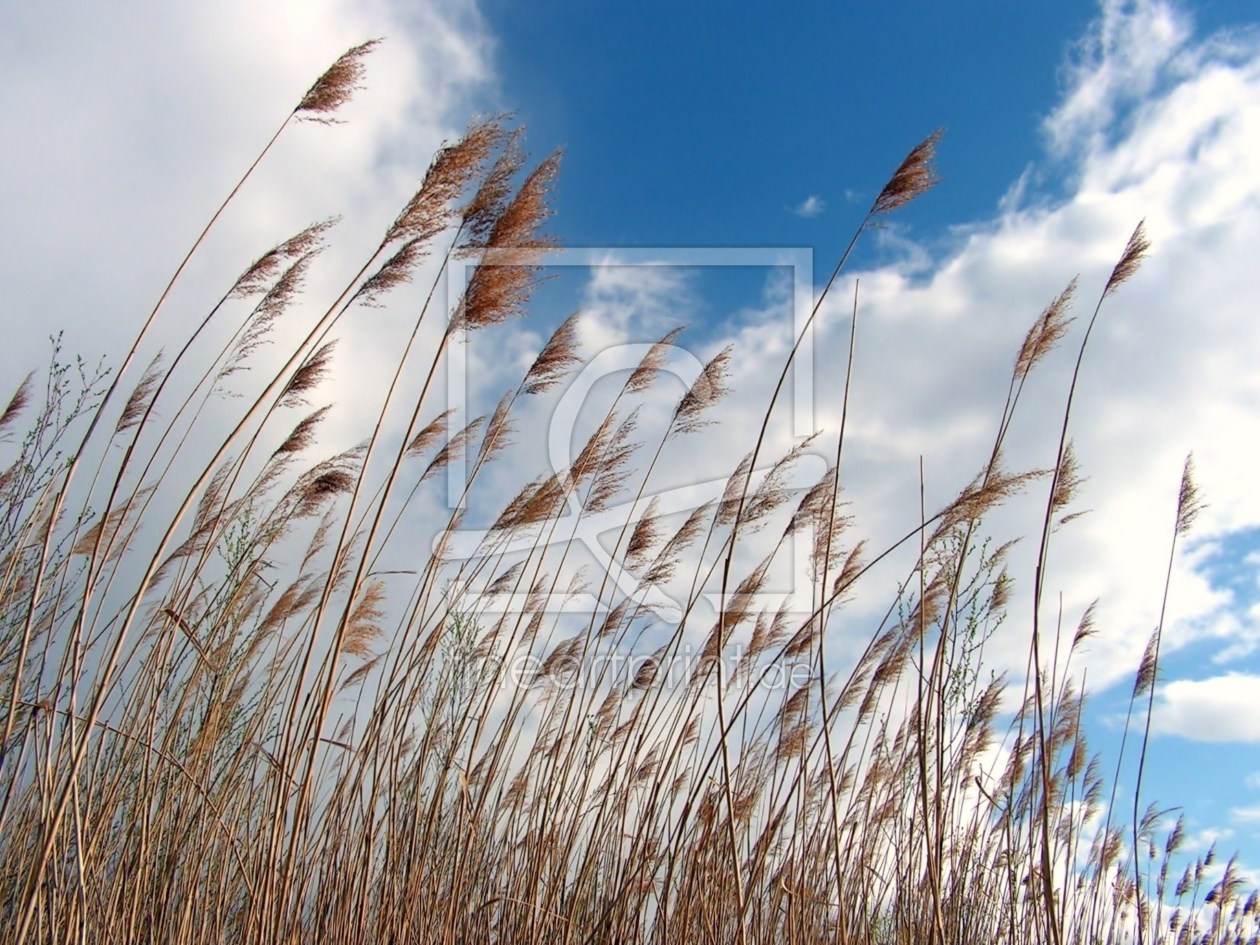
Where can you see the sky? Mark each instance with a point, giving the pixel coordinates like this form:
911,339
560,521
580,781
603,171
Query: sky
740,147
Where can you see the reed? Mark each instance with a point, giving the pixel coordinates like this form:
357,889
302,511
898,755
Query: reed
227,715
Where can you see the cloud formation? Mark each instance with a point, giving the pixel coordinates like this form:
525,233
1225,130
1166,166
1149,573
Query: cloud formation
811,206
1217,709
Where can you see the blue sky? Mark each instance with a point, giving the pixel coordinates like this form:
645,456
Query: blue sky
713,124
709,127
683,125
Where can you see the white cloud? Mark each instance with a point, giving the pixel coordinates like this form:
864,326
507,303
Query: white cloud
1218,709
1202,840
1118,62
119,147
1246,815
1240,634
811,206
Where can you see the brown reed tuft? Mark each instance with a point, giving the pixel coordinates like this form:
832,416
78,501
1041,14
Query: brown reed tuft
327,482
729,505
432,208
914,177
307,242
557,356
431,432
645,675
17,403
488,203
308,376
1189,505
336,86
705,391
502,281
498,431
455,449
1046,332
644,374
772,492
1145,679
987,490
536,502
1067,480
138,403
1085,627
1134,252
644,535
853,565
304,433
663,567
397,270
363,625
505,580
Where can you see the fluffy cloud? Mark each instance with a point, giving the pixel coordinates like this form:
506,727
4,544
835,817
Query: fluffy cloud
1219,709
1246,815
1118,62
125,127
811,206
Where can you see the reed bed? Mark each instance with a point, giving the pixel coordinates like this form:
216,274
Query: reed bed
227,718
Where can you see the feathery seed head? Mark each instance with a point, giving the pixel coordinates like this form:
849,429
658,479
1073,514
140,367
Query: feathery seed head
17,403
307,377
1130,259
306,243
643,375
503,281
498,431
303,434
395,271
705,391
644,535
335,87
435,428
1189,504
483,209
556,357
1067,481
1147,669
139,402
454,448
1045,333
914,177
431,209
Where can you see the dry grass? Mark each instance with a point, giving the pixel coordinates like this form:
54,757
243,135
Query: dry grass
225,719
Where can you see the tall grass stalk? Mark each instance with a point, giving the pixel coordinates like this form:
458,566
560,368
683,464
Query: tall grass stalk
237,708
